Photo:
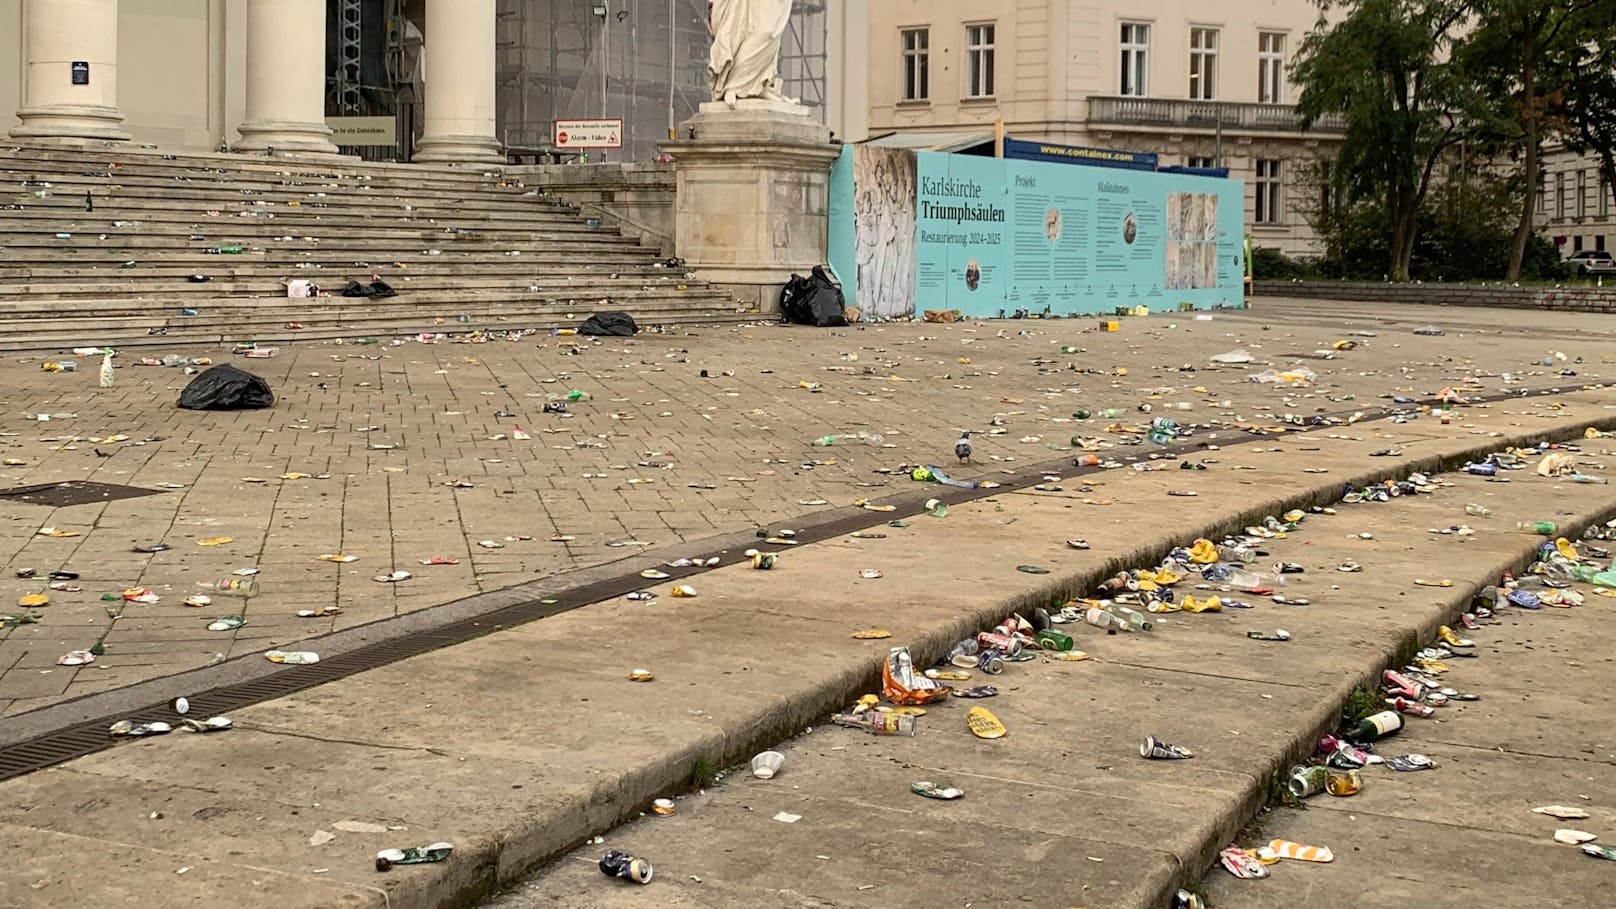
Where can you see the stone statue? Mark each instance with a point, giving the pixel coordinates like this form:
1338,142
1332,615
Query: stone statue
745,59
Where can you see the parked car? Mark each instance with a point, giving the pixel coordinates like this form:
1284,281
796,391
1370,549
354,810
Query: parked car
1593,262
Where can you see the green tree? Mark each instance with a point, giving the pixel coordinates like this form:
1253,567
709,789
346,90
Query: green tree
1464,232
1387,68
1521,55
1585,105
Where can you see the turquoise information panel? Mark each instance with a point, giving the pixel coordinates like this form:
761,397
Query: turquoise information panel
993,236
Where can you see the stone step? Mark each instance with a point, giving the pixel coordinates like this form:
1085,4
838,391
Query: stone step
79,269
100,298
24,244
66,188
63,173
293,167
275,312
248,167
495,239
323,311
33,221
200,202
61,338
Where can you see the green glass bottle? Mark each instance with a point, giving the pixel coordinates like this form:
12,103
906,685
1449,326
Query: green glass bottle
1376,727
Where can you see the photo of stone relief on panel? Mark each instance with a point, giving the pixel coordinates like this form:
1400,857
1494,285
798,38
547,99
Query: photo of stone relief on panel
1192,241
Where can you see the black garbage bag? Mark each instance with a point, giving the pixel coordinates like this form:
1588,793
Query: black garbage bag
225,387
609,324
814,300
794,305
373,289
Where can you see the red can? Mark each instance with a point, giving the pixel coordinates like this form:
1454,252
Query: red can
987,640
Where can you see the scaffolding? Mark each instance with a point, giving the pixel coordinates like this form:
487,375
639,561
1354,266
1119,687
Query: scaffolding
644,61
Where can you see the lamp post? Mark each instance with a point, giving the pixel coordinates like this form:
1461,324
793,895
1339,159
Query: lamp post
605,51
673,65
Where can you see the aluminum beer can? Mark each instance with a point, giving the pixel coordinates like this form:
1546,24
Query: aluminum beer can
1308,781
987,640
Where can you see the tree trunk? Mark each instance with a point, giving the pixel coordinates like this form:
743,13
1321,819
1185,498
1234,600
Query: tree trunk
1529,161
1405,255
1394,213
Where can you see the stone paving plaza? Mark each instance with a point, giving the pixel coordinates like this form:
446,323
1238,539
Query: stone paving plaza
396,454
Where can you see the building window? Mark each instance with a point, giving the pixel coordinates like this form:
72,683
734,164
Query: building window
1542,199
1576,243
1267,191
979,61
1559,196
1198,161
1582,194
916,64
1604,197
1599,243
1203,64
1270,67
1135,47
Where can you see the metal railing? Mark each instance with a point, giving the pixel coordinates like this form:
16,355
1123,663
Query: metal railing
1178,114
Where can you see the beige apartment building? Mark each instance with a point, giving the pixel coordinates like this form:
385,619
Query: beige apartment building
1201,85
1574,207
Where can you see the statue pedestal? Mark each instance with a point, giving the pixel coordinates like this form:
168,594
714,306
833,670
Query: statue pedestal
753,196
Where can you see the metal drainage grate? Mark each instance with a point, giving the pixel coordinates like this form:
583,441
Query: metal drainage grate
74,492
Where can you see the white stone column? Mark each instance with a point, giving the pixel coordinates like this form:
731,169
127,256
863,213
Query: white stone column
286,78
58,34
459,83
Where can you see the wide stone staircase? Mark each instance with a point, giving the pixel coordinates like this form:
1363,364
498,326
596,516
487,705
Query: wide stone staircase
128,246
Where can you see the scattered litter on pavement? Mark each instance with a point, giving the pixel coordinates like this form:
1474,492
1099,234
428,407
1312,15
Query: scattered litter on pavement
1241,863
1285,849
225,387
983,724
933,791
292,657
627,867
877,723
132,729
1158,750
766,766
902,685
414,855
1562,812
